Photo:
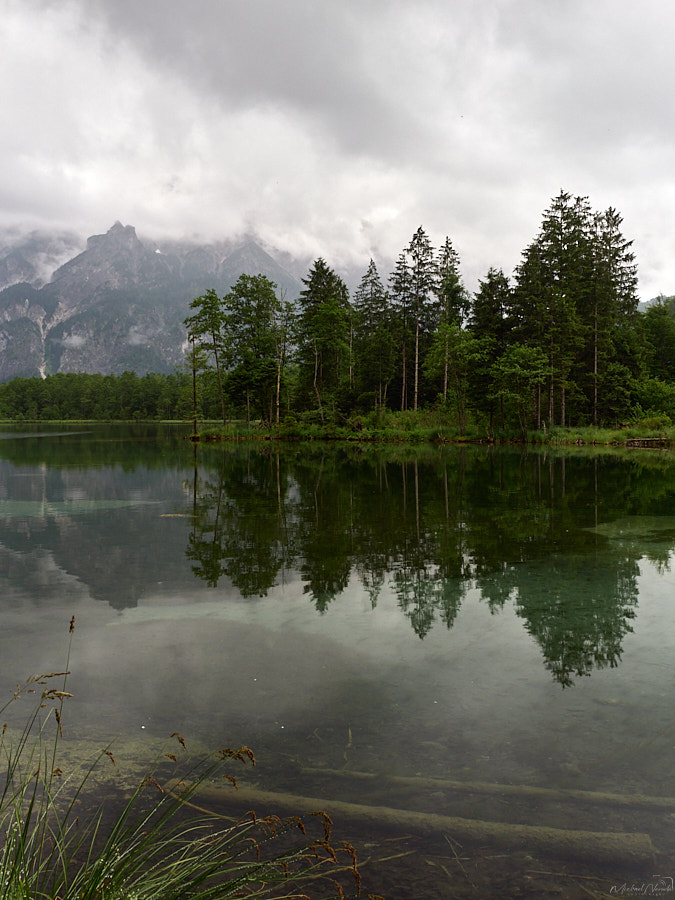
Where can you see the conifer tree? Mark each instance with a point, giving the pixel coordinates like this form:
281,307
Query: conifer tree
400,284
452,298
374,348
489,321
423,281
550,284
323,335
612,300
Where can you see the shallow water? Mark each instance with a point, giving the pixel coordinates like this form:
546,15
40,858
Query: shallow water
488,615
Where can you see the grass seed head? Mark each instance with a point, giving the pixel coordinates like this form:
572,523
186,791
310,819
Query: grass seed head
180,740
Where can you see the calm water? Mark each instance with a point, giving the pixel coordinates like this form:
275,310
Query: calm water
467,614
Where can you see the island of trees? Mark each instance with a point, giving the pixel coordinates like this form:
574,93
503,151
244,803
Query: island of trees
561,343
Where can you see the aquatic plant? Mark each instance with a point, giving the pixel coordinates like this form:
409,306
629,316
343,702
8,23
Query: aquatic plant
159,844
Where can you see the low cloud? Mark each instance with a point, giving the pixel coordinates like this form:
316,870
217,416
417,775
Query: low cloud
73,341
138,336
302,121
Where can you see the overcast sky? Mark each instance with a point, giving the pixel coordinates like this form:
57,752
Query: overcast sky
337,127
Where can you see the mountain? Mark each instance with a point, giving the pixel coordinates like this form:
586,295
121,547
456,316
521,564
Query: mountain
117,305
32,257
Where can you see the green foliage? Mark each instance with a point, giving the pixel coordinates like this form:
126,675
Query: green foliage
456,354
102,397
654,396
206,326
255,323
517,375
658,325
575,294
374,346
324,338
656,423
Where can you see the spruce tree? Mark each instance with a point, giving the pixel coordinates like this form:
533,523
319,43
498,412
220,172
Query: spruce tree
323,336
400,285
423,282
373,339
612,300
452,301
489,321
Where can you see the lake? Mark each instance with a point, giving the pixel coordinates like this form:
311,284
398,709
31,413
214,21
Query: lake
450,620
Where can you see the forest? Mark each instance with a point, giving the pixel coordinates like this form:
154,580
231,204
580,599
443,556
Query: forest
559,343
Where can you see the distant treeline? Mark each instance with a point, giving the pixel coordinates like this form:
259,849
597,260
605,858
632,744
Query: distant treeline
103,397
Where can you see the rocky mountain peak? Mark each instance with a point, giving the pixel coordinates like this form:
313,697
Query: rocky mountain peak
119,304
119,236
116,260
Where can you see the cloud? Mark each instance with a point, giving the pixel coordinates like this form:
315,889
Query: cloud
303,120
139,336
73,341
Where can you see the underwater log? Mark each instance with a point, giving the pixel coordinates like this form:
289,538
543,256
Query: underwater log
605,847
483,787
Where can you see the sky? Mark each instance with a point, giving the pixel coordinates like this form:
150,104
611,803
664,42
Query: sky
336,128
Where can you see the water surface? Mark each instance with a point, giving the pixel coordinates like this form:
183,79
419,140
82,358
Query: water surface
469,614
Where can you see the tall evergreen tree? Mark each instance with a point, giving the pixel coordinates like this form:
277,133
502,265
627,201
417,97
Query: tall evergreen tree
575,298
489,320
423,281
564,243
400,285
658,327
374,347
323,335
612,300
550,284
453,301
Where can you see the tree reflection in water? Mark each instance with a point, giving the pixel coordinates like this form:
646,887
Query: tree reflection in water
430,526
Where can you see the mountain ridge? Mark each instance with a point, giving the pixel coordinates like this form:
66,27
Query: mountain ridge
117,304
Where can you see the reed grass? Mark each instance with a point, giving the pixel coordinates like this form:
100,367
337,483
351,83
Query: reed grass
159,845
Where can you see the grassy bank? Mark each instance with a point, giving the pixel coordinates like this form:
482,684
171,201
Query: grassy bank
410,427
430,426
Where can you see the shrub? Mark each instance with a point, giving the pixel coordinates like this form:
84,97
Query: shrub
653,422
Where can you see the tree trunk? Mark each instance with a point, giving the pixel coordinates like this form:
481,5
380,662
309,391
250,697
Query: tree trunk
417,362
461,406
194,388
279,345
220,381
316,382
278,396
595,365
351,356
550,394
